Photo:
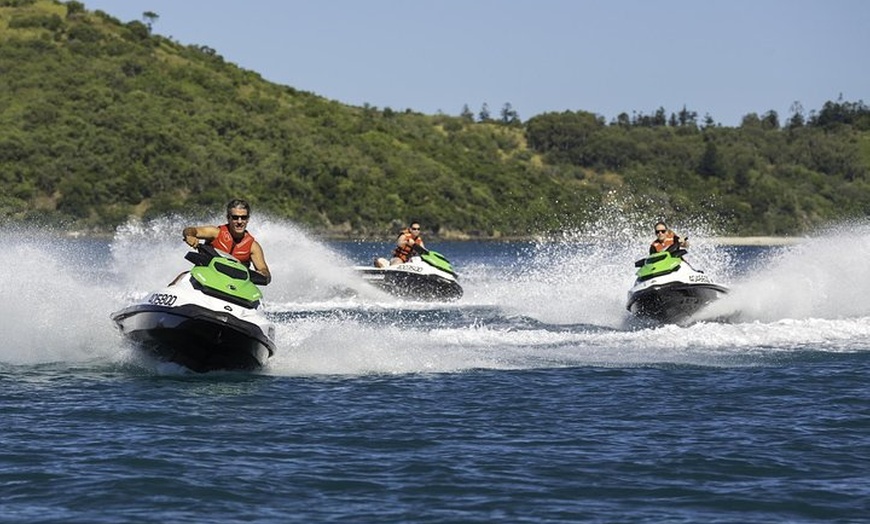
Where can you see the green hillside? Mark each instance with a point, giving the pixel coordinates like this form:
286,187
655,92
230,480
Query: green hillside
101,119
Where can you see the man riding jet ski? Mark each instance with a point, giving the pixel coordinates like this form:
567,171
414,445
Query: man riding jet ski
209,318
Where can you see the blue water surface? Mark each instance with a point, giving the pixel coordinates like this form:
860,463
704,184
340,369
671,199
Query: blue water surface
534,398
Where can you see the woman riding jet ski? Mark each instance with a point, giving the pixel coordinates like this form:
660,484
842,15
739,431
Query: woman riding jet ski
426,275
668,289
414,272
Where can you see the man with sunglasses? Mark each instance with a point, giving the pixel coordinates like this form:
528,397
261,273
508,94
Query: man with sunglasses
232,237
666,240
408,238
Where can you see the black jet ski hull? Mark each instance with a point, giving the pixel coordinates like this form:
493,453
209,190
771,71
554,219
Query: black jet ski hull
413,286
674,302
196,337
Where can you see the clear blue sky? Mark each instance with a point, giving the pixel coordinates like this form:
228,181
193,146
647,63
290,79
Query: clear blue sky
722,57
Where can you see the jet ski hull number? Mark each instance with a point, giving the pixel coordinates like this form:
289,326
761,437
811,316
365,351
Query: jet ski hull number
162,299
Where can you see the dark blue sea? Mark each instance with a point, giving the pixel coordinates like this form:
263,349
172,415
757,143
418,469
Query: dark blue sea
535,398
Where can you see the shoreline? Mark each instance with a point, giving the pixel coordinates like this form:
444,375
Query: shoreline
719,241
757,241
722,241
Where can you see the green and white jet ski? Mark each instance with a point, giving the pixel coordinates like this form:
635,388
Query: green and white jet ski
668,289
427,275
210,318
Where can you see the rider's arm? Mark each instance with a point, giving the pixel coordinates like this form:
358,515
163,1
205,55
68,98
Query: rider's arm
259,261
192,235
404,240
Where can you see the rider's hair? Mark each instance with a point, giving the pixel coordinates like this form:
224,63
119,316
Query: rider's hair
237,202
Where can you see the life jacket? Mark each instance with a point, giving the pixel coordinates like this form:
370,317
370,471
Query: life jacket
241,250
404,251
658,246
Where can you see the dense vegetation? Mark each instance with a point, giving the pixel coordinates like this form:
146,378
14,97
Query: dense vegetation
101,120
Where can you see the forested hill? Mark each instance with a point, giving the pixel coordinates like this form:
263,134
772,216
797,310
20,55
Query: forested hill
102,119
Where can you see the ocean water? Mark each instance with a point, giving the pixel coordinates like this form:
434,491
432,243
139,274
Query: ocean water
535,398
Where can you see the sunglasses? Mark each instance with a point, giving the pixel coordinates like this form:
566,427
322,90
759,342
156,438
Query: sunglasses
239,217
415,229
661,231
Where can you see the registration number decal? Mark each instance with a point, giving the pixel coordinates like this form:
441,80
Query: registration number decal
162,299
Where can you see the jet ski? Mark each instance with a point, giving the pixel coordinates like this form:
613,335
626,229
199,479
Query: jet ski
668,289
427,275
209,318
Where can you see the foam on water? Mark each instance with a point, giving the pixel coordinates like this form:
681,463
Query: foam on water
53,303
825,277
561,303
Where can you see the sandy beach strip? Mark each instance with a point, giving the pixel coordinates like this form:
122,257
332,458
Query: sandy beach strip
757,241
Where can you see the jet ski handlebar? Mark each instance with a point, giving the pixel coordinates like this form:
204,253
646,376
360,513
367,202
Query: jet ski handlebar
258,278
202,256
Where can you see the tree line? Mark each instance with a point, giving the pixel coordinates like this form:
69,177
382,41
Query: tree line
102,120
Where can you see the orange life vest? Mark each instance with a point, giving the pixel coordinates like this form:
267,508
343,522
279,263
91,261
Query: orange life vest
241,250
404,251
658,246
